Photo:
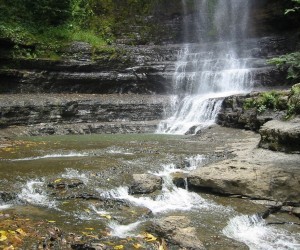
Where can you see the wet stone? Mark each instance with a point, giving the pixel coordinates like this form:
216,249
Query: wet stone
145,184
65,183
179,179
177,232
7,196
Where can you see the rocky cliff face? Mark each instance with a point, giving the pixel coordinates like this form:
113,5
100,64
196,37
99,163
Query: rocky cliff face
82,114
145,68
127,69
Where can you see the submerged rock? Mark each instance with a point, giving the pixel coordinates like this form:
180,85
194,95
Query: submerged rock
65,183
177,231
7,196
281,136
145,184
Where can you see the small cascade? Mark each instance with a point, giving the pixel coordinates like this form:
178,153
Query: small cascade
217,66
49,156
171,197
257,235
33,192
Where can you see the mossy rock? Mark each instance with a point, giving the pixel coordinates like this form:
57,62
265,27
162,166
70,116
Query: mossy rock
294,99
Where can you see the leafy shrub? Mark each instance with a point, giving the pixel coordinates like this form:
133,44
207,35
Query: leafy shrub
267,100
291,62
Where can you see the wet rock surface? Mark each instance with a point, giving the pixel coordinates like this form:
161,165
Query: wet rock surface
145,184
253,172
281,136
177,231
82,114
235,113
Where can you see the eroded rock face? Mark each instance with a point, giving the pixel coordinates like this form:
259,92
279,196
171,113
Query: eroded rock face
145,184
253,172
235,114
281,136
177,231
82,114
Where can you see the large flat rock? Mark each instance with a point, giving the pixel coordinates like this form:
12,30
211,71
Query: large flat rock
253,172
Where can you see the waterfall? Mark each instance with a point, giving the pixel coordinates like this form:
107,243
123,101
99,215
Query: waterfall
216,65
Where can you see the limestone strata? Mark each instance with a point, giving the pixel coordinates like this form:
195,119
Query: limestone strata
233,113
82,114
281,136
253,172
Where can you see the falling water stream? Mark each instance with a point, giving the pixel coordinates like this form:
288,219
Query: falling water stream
214,67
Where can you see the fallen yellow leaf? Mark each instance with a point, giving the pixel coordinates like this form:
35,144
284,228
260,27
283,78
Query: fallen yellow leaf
107,216
21,232
51,221
118,247
149,237
137,246
9,248
57,180
3,238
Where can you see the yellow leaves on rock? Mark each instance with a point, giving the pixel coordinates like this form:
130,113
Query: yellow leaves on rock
149,237
119,247
137,246
9,248
57,180
87,210
13,146
107,216
21,232
3,235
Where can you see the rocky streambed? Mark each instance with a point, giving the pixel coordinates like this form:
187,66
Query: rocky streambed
148,191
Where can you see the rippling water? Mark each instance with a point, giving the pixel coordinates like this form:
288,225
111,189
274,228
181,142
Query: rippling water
103,165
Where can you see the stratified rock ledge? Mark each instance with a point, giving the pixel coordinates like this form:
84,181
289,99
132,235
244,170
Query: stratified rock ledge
254,172
281,136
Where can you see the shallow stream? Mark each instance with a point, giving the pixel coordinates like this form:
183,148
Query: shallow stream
60,179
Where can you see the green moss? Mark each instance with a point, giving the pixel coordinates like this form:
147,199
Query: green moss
294,100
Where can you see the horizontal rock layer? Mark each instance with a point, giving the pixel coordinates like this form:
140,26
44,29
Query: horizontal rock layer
126,69
82,114
253,172
281,136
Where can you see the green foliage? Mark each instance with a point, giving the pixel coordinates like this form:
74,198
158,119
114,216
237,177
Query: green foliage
291,62
294,9
267,100
48,25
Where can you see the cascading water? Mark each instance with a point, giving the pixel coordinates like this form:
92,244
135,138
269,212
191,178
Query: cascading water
212,68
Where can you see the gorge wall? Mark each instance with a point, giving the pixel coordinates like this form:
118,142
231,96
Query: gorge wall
138,62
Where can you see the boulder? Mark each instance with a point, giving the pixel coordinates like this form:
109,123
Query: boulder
177,231
145,184
179,179
281,136
255,180
65,183
253,172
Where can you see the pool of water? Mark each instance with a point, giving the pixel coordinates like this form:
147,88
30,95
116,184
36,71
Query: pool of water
104,164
